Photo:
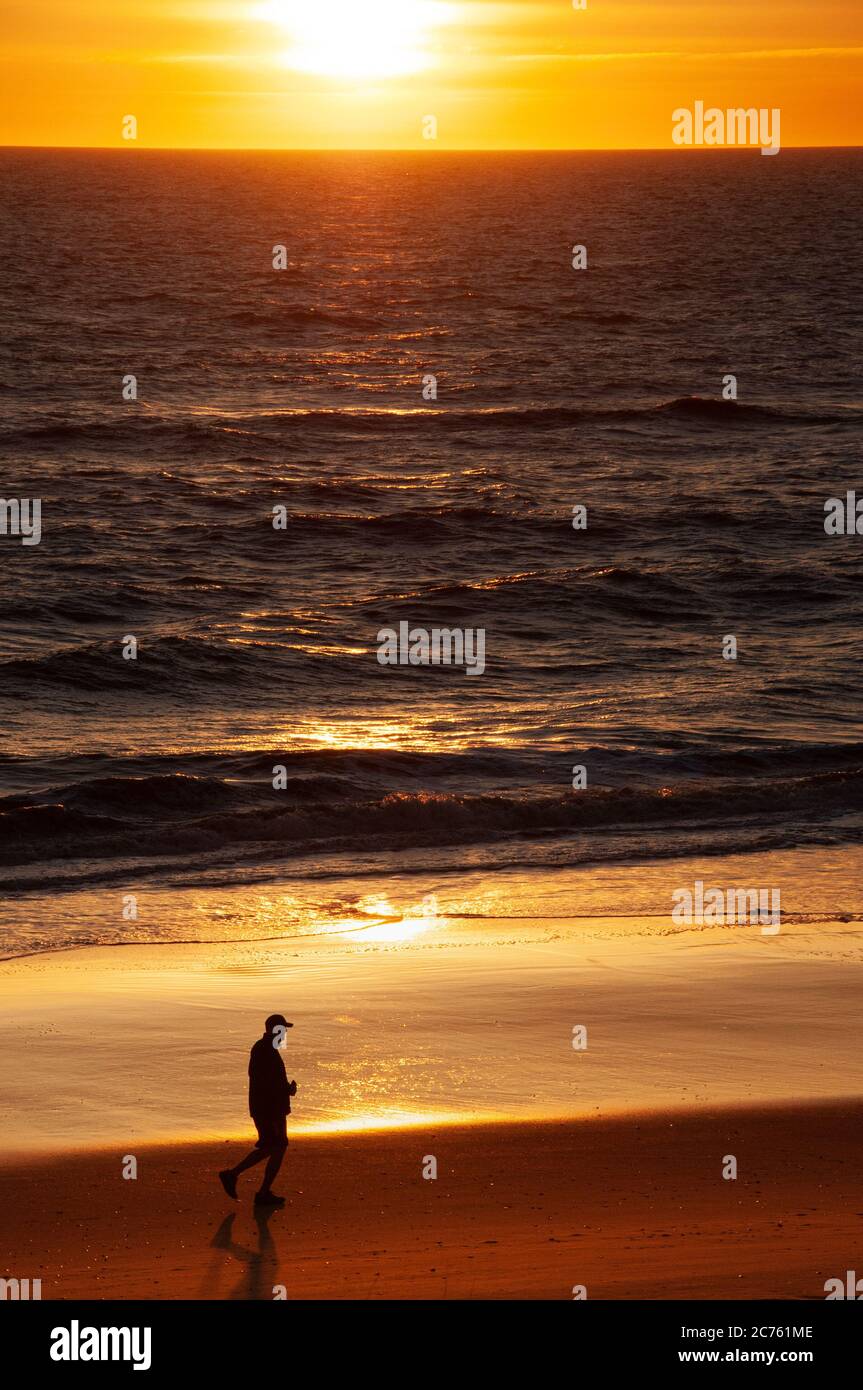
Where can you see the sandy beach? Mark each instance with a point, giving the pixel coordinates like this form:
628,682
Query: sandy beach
557,1167
630,1208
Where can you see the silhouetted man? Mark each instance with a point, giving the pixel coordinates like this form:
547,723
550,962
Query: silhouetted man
269,1106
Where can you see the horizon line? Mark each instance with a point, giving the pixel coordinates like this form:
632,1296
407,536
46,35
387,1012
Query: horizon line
419,149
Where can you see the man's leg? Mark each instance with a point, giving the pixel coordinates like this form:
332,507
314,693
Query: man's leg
256,1156
228,1176
274,1163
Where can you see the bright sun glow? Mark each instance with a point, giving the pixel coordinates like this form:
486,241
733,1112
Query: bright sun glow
356,38
395,927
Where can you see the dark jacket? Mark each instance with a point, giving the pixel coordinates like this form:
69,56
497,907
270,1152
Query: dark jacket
269,1090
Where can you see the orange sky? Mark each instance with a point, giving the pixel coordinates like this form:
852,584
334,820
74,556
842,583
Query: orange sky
364,73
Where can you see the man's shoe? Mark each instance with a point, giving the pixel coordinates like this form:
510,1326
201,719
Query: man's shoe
268,1199
229,1183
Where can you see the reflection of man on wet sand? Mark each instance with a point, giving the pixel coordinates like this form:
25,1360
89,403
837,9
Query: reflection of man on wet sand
269,1105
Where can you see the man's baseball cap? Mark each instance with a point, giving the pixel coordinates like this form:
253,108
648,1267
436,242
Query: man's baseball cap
276,1021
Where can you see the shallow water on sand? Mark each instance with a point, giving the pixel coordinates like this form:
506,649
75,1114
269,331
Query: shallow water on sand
457,1004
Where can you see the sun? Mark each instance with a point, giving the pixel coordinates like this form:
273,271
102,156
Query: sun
356,38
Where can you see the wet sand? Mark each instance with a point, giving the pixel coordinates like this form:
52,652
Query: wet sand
147,1044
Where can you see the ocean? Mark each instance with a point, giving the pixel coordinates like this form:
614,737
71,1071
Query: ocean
308,389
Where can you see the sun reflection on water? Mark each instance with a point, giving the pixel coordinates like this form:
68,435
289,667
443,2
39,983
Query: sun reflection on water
394,926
